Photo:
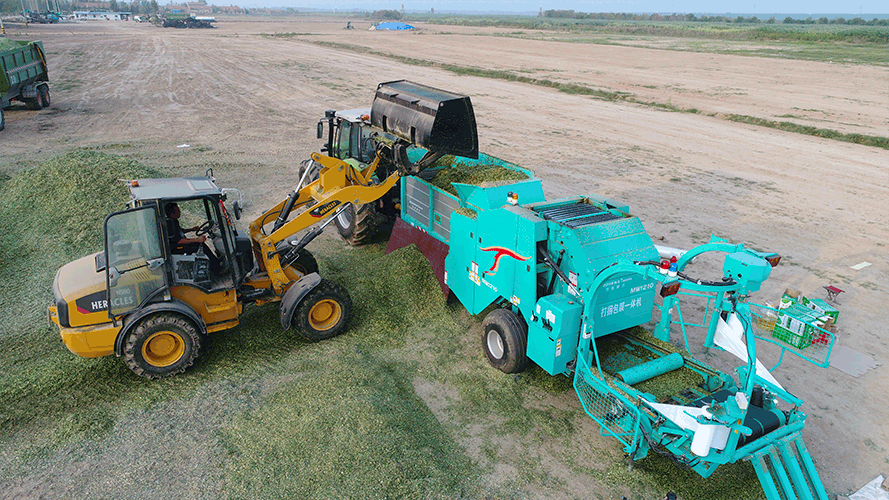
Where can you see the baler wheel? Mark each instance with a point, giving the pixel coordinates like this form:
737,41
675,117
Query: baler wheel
161,345
505,341
323,312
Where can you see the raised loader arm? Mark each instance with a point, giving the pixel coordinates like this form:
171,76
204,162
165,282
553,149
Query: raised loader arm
338,184
442,122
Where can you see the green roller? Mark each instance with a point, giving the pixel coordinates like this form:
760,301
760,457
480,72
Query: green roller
651,369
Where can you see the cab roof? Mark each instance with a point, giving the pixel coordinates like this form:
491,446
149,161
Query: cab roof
354,115
173,188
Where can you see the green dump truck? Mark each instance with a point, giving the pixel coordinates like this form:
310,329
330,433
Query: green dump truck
23,75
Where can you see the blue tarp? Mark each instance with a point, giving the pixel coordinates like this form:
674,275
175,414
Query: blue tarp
394,26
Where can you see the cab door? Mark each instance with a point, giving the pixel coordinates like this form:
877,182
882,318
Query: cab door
135,267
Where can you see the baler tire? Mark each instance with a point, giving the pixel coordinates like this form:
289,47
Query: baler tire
357,225
176,340
323,313
505,341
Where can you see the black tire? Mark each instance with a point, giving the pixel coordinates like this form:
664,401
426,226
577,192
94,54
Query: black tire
358,224
44,92
323,313
161,345
37,102
505,341
2,119
313,167
304,264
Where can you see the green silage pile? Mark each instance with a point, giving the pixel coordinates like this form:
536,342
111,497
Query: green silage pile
350,426
68,197
7,44
478,175
396,291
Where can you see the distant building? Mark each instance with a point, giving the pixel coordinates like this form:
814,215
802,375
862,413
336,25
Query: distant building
198,8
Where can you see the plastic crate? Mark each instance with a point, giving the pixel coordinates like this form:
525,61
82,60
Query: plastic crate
798,340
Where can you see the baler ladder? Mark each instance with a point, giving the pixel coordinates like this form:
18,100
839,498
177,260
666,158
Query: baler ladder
786,471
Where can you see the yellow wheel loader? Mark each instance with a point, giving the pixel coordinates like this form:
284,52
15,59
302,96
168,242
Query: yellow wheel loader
153,293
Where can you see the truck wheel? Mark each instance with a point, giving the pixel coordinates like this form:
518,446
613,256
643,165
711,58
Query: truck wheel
37,102
304,264
358,225
161,345
44,91
505,341
323,312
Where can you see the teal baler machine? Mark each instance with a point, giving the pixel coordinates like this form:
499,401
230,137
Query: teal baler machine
568,285
575,279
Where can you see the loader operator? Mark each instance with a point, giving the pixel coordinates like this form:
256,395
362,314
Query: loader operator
180,244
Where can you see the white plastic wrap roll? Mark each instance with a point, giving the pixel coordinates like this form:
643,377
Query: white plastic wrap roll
703,440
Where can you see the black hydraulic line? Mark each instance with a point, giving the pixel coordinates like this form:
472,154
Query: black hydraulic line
552,280
555,267
282,217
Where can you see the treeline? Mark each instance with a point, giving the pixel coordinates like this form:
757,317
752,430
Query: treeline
391,15
626,16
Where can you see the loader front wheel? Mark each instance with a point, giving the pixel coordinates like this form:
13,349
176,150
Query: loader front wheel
358,224
323,312
161,345
303,265
505,341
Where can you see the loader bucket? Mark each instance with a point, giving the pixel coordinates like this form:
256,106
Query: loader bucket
437,120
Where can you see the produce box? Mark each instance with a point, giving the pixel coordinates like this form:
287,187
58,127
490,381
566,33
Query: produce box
821,307
798,325
788,298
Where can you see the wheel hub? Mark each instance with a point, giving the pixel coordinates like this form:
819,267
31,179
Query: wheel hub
325,314
163,348
495,344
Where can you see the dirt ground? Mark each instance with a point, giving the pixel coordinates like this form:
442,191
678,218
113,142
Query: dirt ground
246,100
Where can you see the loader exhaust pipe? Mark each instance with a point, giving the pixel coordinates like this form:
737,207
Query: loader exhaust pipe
442,122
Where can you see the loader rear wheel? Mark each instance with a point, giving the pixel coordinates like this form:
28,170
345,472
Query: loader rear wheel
358,224
161,345
323,312
505,341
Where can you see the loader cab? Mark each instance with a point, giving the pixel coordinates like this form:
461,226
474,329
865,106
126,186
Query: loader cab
350,135
138,242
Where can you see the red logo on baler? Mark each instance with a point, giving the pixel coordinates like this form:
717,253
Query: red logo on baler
500,253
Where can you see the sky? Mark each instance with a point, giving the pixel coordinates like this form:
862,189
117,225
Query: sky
679,6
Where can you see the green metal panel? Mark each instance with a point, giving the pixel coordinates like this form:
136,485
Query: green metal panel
553,333
21,66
